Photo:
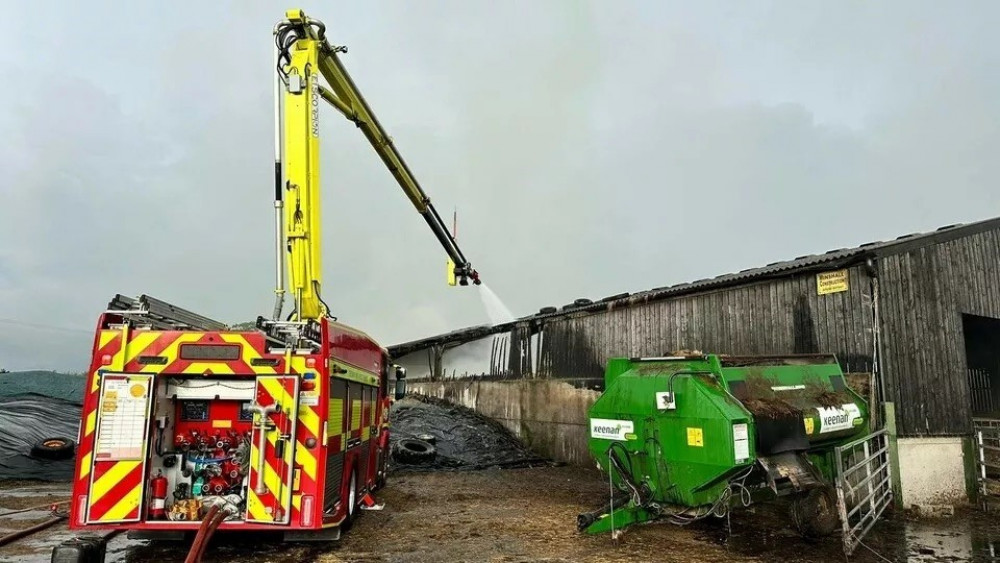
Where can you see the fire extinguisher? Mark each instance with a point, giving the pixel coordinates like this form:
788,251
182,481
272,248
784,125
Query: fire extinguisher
157,505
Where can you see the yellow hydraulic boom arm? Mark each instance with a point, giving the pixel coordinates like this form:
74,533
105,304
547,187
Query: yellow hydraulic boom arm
302,56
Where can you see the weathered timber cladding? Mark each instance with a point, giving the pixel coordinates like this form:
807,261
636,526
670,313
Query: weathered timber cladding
924,294
925,284
771,317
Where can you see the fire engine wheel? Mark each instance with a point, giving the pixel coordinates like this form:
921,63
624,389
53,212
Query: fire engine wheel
53,448
815,512
352,501
414,451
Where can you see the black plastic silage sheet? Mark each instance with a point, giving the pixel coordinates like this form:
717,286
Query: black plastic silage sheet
464,439
24,421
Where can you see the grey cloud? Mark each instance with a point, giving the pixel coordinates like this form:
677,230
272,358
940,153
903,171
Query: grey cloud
590,148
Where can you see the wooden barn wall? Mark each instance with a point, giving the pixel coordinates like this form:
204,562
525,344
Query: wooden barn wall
769,317
923,296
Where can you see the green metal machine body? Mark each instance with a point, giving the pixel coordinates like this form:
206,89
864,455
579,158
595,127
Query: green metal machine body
683,437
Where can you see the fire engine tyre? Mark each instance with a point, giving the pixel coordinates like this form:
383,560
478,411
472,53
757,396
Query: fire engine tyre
53,448
815,512
352,501
414,451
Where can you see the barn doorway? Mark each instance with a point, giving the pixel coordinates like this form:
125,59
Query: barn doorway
982,354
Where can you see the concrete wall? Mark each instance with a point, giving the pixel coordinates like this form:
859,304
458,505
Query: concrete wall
550,416
932,472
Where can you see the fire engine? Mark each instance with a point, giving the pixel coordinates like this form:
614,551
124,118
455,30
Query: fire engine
283,427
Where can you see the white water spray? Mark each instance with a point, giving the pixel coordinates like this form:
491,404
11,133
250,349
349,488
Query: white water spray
495,309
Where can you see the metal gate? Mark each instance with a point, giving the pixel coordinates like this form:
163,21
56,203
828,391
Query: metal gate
987,431
864,485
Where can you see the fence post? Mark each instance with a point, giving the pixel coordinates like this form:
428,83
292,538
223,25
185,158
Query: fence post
890,430
982,469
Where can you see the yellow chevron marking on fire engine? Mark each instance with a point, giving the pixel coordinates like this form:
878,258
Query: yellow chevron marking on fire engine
110,479
304,458
125,506
309,419
85,466
118,362
298,364
256,508
106,337
249,353
302,455
255,505
95,382
274,387
171,351
274,485
277,391
91,423
139,343
214,367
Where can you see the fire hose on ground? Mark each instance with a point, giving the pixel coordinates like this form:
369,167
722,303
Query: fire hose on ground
14,536
209,524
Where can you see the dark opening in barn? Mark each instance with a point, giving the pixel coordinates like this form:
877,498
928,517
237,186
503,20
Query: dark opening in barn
982,352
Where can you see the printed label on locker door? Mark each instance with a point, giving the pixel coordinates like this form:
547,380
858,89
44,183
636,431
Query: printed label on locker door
741,442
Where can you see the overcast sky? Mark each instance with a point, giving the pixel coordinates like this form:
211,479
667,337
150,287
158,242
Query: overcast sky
590,148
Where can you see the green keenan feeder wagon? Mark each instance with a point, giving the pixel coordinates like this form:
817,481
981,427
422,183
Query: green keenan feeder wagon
686,437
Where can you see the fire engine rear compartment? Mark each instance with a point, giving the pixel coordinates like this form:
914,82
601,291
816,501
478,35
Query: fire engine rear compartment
194,442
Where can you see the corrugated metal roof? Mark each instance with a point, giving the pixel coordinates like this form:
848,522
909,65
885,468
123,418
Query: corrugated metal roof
830,259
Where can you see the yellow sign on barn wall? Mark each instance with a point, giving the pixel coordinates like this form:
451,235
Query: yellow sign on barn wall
831,282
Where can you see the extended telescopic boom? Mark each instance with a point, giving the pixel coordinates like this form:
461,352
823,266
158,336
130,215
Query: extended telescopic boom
302,56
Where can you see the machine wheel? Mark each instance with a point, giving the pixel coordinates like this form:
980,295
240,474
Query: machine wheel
414,451
53,448
815,512
429,438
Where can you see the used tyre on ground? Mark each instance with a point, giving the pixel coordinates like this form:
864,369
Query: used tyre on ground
413,451
53,448
429,438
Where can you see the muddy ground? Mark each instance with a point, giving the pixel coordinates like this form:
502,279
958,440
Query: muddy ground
522,515
465,507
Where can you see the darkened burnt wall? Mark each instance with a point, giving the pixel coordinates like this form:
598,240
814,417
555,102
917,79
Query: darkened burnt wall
924,294
924,290
779,316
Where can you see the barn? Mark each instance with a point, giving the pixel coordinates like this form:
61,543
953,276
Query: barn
915,320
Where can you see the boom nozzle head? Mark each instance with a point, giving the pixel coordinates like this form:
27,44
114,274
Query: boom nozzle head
465,273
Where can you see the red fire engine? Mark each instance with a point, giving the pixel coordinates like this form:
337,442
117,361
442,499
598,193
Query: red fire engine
283,427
